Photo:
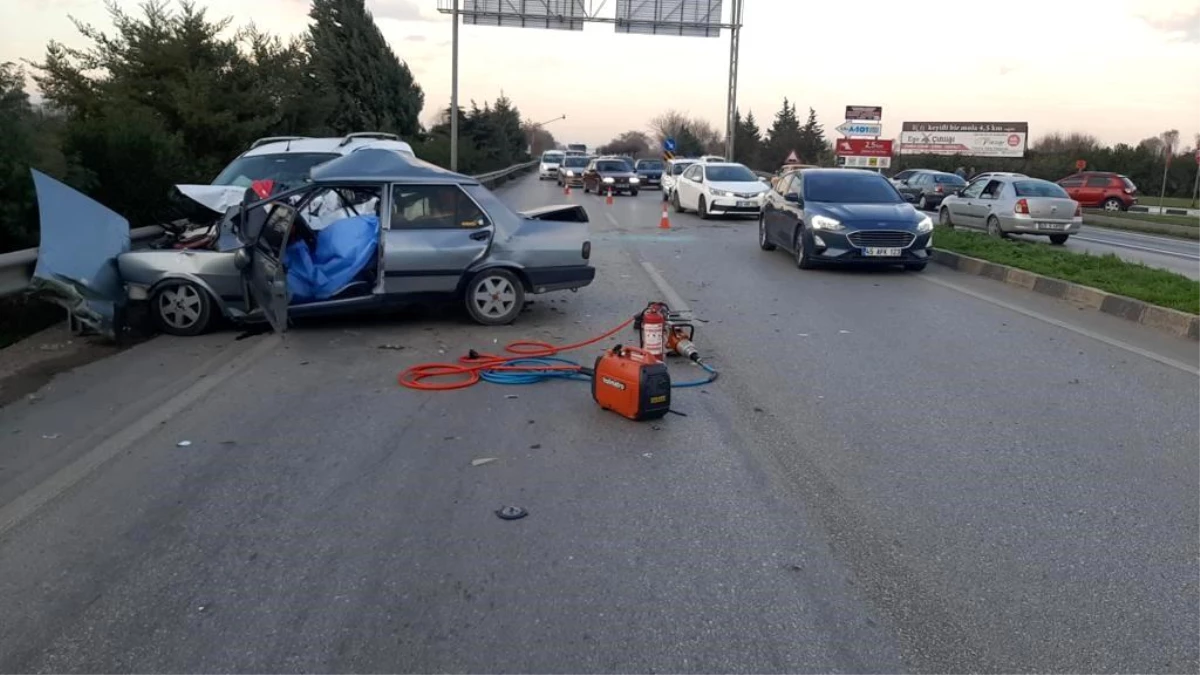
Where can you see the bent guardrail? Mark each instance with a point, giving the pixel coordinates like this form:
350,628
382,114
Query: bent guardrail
16,267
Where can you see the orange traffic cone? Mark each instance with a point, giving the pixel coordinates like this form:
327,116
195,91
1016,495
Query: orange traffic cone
609,199
665,223
566,188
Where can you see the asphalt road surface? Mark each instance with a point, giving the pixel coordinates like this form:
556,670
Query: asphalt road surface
895,472
1170,253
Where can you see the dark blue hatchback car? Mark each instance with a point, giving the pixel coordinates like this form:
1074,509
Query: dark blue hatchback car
844,216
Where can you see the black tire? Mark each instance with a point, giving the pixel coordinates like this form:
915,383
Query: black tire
923,204
1114,204
505,297
802,260
633,193
702,209
993,228
666,197
675,201
763,242
944,218
915,267
1058,239
181,308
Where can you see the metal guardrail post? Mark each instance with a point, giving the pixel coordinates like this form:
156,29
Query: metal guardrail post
16,267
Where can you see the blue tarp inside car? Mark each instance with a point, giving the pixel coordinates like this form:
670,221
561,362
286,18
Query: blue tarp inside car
344,249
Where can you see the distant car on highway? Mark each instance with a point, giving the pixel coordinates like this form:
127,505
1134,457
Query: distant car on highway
844,216
548,166
614,174
570,172
1101,189
927,189
712,188
1005,205
903,176
671,173
650,172
393,230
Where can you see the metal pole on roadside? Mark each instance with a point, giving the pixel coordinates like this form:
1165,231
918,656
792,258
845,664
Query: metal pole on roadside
454,88
1196,183
1162,194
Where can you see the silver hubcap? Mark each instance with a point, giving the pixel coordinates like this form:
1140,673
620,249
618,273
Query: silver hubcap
1112,206
495,296
923,204
180,306
993,228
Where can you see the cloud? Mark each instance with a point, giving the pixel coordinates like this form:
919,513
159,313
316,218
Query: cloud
415,38
399,10
1181,26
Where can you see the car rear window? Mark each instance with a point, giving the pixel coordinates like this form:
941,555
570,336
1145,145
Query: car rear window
679,167
1128,183
1038,188
287,169
949,178
850,188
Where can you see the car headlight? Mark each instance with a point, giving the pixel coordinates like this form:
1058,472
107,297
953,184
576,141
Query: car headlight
720,193
825,223
608,180
634,180
926,225
570,172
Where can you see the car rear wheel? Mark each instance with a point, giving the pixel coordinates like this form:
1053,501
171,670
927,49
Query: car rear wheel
944,218
993,228
802,260
763,243
1058,239
182,308
922,203
495,297
1114,204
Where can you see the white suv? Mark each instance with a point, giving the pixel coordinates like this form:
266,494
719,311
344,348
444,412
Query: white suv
671,173
551,162
288,159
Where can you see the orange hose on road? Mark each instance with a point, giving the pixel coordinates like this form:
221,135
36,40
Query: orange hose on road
468,367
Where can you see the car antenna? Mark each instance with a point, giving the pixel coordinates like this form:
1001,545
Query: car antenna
289,146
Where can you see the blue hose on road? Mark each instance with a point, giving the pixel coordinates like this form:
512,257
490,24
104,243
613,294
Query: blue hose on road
561,369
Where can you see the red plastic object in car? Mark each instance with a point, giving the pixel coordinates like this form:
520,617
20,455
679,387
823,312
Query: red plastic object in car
263,187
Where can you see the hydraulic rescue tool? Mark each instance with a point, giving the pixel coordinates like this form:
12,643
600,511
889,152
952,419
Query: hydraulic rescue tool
631,381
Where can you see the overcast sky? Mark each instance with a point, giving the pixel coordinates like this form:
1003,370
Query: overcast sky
1119,69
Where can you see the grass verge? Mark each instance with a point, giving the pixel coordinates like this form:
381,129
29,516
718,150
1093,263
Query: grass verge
1186,221
1169,202
1107,272
21,317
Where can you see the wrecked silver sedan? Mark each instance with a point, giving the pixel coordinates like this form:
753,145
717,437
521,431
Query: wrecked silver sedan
372,229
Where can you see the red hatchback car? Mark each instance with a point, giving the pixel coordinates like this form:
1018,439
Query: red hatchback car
1100,189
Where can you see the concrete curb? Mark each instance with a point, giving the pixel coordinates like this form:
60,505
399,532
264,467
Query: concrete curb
1130,225
1172,321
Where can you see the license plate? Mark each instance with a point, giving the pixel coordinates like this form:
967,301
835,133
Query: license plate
1049,226
746,204
875,252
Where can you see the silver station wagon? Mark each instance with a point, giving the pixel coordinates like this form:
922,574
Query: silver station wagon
371,229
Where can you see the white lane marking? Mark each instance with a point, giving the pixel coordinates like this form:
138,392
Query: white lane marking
674,300
612,219
1112,342
1120,244
29,503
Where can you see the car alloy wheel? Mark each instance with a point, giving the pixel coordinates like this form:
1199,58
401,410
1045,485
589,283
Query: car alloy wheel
182,309
1113,204
495,297
944,217
763,243
923,204
993,227
802,259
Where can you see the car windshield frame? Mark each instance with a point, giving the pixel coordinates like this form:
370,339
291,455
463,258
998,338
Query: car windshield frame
1022,184
834,188
729,173
235,173
610,165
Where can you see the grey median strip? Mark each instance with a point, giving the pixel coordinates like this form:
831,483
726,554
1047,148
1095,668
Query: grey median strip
1172,321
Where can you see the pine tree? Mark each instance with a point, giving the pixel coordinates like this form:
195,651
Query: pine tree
813,147
748,143
783,137
373,90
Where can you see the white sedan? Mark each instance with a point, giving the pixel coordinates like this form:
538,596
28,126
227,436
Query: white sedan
718,188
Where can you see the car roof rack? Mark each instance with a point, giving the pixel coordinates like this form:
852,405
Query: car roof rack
275,139
380,135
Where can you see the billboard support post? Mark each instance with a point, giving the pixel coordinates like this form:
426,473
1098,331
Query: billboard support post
687,18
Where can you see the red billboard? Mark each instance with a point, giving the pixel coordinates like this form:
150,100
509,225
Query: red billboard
863,147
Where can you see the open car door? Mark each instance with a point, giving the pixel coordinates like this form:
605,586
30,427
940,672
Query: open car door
263,271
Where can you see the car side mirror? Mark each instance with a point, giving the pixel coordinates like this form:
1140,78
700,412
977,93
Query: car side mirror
792,197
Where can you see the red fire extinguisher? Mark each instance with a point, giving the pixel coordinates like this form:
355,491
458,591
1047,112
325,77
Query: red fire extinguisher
653,324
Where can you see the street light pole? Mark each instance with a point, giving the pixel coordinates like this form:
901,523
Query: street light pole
454,89
533,126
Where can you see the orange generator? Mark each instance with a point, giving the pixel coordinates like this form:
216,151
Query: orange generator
632,383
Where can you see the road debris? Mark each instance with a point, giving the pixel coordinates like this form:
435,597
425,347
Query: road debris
50,437
511,396
482,460
391,347
183,444
536,446
511,513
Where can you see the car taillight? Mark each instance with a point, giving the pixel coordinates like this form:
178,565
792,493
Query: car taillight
1078,210
1022,206
939,189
